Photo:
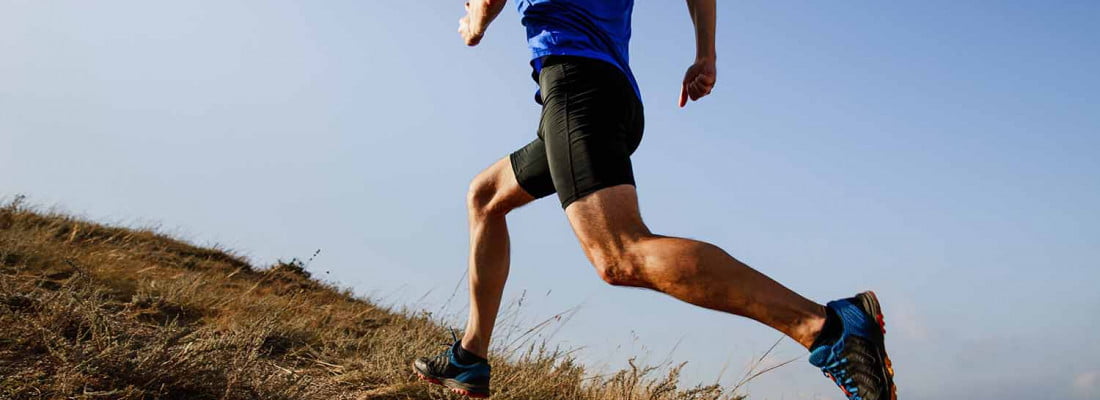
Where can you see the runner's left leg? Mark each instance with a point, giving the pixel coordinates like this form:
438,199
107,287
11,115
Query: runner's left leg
626,253
591,124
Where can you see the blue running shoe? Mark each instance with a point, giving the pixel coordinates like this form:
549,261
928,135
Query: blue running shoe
857,361
468,380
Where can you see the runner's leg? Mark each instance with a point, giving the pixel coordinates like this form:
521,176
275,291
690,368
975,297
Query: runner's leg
493,193
592,122
626,253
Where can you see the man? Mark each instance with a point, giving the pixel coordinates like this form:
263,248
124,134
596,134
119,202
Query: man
591,123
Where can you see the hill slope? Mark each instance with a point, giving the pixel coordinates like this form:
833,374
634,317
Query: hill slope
90,311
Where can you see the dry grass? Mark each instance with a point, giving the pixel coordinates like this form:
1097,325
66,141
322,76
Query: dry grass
95,312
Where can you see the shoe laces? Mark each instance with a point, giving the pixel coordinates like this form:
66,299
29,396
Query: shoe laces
838,372
445,357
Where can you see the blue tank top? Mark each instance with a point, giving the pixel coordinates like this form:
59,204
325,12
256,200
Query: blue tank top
598,29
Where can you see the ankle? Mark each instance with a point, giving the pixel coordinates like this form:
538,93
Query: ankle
830,330
811,328
467,357
474,347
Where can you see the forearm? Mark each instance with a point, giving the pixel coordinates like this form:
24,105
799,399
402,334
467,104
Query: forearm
703,15
483,12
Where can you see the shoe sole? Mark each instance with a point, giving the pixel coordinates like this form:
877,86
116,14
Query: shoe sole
871,304
455,386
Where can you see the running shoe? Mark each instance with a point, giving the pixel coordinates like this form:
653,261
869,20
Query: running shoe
857,361
470,380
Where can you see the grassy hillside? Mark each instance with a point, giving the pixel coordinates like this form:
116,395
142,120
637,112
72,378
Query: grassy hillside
95,312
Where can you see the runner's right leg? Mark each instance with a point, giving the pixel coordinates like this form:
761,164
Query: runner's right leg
493,193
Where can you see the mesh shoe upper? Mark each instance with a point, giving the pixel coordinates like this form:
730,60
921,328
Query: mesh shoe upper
445,366
857,361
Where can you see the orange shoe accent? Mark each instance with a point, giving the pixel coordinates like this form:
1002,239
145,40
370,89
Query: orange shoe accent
889,365
467,393
427,379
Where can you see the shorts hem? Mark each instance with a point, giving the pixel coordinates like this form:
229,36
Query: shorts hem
522,185
565,202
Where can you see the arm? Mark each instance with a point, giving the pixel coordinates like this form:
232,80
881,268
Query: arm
479,14
701,76
703,15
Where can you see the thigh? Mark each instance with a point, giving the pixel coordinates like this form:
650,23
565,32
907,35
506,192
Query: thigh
496,189
591,123
608,220
531,170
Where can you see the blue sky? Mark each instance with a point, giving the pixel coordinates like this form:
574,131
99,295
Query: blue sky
943,153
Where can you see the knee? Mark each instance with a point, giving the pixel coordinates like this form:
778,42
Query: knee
482,198
617,267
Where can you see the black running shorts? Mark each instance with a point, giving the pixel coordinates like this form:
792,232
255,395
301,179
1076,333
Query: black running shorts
591,123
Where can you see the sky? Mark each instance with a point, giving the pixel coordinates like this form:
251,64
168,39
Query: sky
943,153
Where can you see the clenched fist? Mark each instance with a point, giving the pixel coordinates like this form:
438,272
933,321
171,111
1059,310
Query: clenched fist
698,81
470,33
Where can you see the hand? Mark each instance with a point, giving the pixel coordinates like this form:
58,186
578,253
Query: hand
470,34
698,81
